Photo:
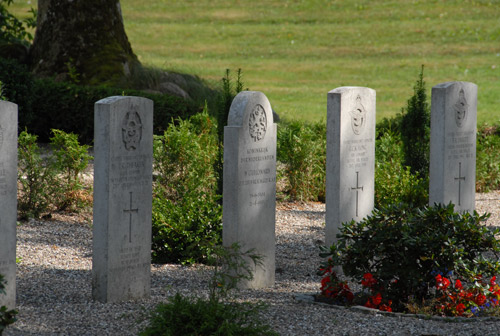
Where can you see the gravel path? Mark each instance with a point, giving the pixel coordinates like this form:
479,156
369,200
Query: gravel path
54,284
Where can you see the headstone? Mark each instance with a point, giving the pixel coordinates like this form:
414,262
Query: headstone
8,200
452,171
350,157
121,261
249,192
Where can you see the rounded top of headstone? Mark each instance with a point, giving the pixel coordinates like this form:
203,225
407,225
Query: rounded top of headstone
250,105
110,100
8,104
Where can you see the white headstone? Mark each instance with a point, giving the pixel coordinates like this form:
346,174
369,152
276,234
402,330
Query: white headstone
249,192
121,262
8,200
452,171
350,157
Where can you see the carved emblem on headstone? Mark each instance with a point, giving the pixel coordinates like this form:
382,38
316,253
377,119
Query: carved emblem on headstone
358,116
257,123
131,130
461,108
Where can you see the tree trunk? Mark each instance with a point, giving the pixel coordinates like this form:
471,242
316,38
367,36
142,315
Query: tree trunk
81,40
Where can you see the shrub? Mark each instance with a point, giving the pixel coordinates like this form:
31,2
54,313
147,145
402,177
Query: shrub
395,183
404,247
69,159
189,316
70,108
52,183
415,128
184,157
229,91
18,88
35,178
45,103
488,159
7,317
301,149
187,215
391,125
187,231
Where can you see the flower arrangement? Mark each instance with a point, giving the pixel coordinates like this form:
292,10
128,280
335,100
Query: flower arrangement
396,254
333,289
338,292
481,297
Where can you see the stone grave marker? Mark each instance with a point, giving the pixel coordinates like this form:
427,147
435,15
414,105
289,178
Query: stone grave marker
8,200
350,158
121,261
249,192
452,171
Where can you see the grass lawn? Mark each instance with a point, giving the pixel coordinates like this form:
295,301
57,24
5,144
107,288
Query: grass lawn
296,51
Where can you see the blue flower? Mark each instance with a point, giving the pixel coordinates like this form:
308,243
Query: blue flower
474,310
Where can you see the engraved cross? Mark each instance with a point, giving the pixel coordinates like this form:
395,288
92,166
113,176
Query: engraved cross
460,178
357,188
130,210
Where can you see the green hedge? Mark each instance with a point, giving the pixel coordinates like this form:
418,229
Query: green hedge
17,87
45,104
70,108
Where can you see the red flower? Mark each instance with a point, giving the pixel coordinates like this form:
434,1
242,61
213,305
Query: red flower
325,281
385,307
446,283
493,280
368,280
458,284
369,304
377,299
439,280
460,309
480,299
442,283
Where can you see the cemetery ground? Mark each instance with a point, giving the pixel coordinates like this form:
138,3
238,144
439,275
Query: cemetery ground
54,283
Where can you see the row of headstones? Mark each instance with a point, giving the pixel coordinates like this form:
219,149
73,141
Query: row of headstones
249,195
121,259
123,178
350,160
